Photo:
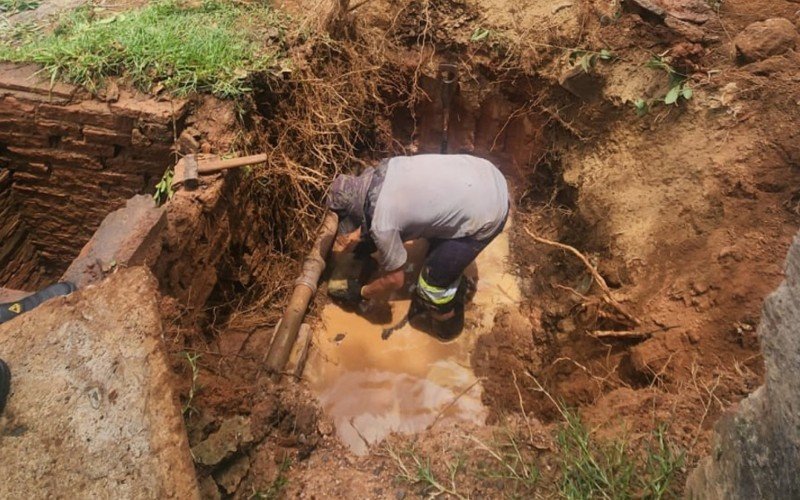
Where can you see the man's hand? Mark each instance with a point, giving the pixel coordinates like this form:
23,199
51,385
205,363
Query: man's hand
383,287
349,295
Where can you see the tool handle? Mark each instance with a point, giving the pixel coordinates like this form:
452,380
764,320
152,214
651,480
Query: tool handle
217,165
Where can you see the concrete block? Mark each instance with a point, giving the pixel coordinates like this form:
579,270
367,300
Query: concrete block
130,236
92,412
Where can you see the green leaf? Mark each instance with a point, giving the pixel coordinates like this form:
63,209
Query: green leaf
641,107
479,34
687,93
673,95
606,55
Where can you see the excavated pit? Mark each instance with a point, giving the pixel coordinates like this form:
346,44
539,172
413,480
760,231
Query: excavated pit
67,161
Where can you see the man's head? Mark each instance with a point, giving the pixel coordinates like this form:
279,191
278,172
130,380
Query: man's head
346,198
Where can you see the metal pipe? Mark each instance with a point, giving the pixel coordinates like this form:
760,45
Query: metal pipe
304,289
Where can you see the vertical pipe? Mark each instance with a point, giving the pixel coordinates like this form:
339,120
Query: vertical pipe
304,289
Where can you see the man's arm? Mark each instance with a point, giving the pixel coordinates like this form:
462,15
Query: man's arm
382,287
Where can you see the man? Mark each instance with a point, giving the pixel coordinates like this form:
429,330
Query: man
458,203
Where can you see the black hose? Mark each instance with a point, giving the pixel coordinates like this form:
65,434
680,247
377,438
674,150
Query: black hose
5,384
10,310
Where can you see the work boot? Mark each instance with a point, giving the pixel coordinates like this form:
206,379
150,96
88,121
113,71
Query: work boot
428,318
5,384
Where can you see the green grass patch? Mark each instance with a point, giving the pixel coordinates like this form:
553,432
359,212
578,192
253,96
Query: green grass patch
14,6
211,47
613,470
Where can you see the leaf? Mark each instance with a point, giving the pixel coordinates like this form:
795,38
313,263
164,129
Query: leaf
673,95
606,55
687,93
479,34
587,62
641,107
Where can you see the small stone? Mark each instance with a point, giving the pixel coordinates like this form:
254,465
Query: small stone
693,337
400,494
230,477
232,434
699,287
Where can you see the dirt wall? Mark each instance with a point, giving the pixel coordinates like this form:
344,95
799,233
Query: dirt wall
73,159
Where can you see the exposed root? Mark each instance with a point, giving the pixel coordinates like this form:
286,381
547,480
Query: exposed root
607,295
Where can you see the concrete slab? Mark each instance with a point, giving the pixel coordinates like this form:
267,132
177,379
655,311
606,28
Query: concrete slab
130,236
92,413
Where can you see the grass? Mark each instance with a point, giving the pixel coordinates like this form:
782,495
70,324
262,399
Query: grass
188,408
14,6
212,47
613,470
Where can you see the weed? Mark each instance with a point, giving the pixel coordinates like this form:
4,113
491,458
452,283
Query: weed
677,81
479,34
213,46
611,470
642,107
418,470
164,189
188,409
513,467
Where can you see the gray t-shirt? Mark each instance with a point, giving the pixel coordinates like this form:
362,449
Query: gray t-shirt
436,196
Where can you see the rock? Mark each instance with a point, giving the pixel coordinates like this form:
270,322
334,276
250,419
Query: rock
232,434
92,410
230,477
764,39
757,446
209,489
580,83
694,11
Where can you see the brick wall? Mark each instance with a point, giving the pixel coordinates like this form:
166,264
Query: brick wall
19,262
73,158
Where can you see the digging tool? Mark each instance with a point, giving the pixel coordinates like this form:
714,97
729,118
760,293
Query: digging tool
189,168
448,74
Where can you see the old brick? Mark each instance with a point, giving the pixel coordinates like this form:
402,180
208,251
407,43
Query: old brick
23,140
105,136
127,164
87,113
17,124
161,154
35,169
11,106
88,148
156,132
55,156
51,127
27,78
148,109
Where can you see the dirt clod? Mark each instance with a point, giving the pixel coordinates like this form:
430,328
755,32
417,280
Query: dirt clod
766,38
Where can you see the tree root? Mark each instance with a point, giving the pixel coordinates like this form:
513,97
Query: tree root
608,298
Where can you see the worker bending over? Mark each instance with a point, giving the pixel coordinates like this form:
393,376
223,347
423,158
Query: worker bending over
458,203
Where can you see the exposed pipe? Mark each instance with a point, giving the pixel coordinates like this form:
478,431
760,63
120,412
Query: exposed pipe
304,289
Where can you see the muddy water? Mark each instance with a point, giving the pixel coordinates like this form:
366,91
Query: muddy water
372,387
